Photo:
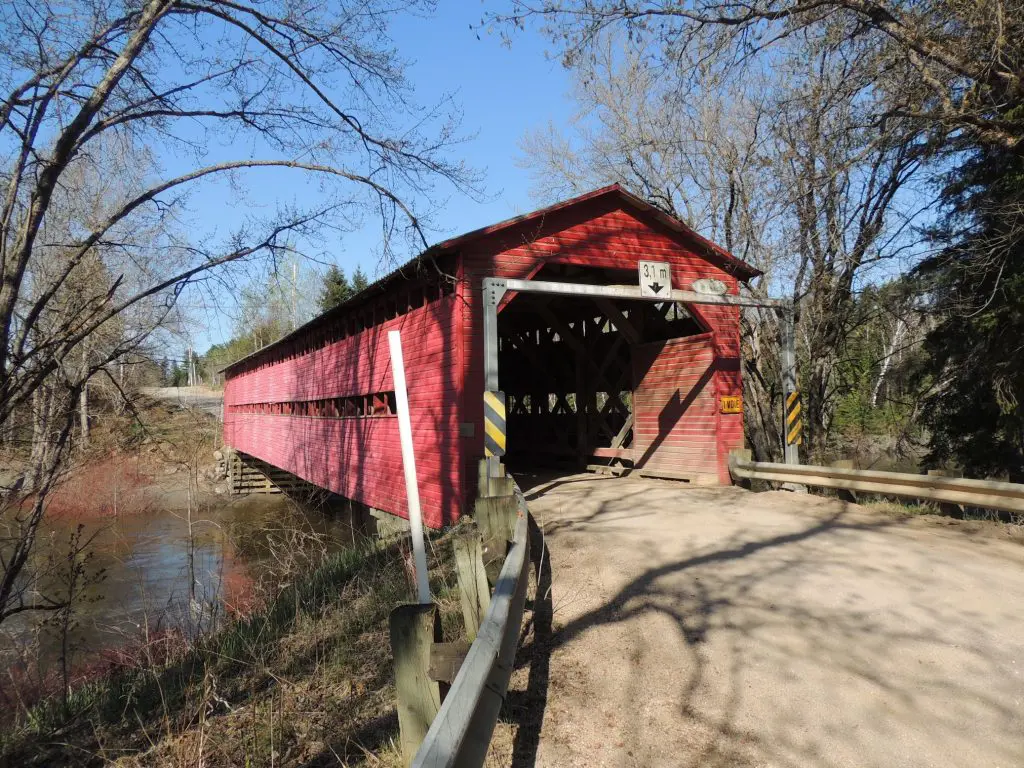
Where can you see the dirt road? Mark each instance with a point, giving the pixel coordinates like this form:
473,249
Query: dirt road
717,627
201,398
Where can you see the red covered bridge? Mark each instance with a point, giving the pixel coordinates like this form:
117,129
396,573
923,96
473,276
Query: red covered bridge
589,381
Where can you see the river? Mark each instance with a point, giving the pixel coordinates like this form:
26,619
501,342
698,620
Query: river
163,568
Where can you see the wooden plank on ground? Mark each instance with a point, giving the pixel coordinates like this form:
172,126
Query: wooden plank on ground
605,469
693,478
446,660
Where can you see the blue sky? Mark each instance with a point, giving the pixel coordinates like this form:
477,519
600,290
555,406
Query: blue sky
504,91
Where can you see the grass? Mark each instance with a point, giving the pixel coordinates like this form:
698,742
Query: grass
902,509
984,522
306,680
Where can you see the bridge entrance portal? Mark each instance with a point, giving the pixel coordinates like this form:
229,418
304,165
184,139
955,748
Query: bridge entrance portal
598,376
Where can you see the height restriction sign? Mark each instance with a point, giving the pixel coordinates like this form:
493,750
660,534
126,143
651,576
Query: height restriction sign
655,279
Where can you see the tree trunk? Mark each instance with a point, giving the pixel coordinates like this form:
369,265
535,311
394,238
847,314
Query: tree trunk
83,402
894,345
39,401
83,415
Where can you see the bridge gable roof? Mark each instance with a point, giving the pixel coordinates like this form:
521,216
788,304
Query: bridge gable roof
613,193
496,236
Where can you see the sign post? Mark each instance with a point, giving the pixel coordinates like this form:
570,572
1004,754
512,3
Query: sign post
791,421
409,466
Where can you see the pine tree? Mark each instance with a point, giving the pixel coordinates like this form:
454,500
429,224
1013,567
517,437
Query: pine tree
177,377
976,407
359,281
336,288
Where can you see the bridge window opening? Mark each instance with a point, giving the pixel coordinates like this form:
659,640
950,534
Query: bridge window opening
352,407
345,322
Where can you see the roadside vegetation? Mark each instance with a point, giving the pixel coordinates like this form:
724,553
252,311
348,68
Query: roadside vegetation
291,667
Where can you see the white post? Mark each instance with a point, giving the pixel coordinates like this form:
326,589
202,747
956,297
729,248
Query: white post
409,465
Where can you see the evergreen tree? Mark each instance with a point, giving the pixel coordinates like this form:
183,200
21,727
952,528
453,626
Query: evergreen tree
336,288
359,281
178,377
976,407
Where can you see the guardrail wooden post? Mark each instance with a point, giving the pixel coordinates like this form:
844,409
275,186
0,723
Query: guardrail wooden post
843,493
953,510
498,484
741,454
483,486
474,590
414,630
496,516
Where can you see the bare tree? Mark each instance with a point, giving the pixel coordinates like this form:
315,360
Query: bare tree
697,158
784,166
207,89
962,58
845,178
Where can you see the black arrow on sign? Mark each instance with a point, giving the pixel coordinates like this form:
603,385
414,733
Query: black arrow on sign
656,287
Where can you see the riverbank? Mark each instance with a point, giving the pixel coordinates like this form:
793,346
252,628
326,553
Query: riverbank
304,680
143,537
207,628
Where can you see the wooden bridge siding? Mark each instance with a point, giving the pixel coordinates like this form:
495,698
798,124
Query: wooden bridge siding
360,458
728,379
675,409
599,234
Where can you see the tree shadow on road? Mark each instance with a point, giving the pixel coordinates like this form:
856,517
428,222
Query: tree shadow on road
737,606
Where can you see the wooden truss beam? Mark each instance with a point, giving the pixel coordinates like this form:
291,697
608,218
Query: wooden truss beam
618,320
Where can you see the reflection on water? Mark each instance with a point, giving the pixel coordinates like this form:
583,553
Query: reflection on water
162,570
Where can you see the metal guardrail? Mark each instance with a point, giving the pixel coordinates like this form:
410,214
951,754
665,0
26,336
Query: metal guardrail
991,494
461,732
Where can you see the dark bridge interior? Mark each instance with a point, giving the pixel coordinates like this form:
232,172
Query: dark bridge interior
566,366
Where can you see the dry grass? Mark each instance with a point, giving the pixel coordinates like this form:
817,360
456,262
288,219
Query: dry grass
987,524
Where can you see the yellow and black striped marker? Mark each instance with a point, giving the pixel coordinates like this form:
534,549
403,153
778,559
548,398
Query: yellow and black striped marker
794,424
494,424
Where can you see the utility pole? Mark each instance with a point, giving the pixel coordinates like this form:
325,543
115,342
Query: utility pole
295,294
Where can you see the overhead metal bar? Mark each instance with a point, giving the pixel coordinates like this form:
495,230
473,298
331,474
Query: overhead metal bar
630,292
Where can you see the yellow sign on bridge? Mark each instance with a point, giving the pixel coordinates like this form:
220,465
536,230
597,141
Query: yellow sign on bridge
494,424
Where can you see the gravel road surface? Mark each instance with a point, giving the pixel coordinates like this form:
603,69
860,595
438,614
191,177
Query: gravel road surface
718,627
